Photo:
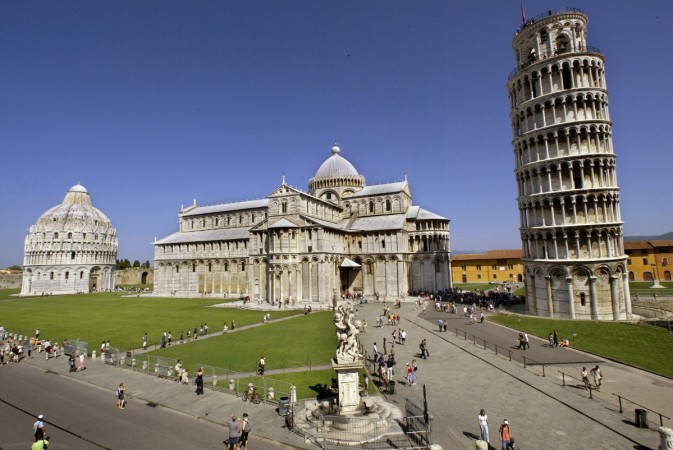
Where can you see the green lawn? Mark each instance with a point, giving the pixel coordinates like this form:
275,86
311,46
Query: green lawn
303,341
122,320
645,288
641,346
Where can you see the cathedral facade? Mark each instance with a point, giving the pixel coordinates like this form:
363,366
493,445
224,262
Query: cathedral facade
72,248
341,238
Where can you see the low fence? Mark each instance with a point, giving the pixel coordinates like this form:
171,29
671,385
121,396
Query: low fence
214,378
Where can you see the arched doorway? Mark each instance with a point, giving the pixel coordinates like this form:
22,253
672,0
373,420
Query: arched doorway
93,279
143,278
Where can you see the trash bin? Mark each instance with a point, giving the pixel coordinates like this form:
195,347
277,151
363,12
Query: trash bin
391,387
283,406
641,418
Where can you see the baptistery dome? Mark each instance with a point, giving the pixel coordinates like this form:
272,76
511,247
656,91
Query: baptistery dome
71,248
337,176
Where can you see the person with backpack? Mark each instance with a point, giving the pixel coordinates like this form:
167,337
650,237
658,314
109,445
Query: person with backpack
245,430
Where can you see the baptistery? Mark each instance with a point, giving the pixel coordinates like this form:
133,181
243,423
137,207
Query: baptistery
72,248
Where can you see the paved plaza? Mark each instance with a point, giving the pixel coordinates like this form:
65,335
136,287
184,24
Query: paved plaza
461,377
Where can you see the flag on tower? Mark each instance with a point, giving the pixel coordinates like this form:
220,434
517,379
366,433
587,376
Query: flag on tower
523,14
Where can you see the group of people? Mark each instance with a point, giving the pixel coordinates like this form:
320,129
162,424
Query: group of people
167,336
596,374
14,350
239,430
504,431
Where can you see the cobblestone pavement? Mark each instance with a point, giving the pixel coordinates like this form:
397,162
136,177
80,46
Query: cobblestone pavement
462,377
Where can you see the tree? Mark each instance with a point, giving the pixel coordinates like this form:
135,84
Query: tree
123,264
136,263
146,265
14,267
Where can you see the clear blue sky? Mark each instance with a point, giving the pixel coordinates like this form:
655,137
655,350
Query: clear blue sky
153,104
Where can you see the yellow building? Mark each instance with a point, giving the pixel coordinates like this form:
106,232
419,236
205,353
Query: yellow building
649,260
492,266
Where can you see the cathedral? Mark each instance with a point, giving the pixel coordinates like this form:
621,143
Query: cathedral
342,238
71,248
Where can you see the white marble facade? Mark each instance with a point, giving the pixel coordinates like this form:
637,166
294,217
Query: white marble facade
571,226
341,237
71,248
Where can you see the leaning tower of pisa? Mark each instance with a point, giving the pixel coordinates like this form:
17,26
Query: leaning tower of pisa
565,166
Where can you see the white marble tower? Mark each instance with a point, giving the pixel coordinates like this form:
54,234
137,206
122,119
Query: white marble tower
565,167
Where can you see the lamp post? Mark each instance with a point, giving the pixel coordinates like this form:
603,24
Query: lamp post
655,277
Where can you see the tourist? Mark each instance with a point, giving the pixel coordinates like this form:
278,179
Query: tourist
445,324
410,374
199,381
385,343
71,363
483,425
598,377
102,348
403,337
389,366
585,378
81,361
364,326
163,339
47,348
182,336
481,317
189,335
233,325
414,369
234,426
170,338
145,341
39,430
555,338
121,390
41,444
196,333
424,349
37,334
439,324
505,434
262,365
178,371
550,338
375,350
394,335
205,329
245,431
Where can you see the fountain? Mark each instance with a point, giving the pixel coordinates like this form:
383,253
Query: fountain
363,419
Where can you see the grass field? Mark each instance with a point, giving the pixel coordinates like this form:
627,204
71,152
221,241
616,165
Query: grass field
122,320
641,346
645,288
302,341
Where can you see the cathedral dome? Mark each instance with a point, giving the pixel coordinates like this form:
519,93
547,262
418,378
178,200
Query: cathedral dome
76,213
335,176
336,166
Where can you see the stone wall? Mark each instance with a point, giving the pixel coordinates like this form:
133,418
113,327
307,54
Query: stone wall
10,280
134,275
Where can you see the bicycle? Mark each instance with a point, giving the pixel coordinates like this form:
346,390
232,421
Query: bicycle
253,396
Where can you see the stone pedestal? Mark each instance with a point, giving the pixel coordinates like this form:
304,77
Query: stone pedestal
666,438
347,382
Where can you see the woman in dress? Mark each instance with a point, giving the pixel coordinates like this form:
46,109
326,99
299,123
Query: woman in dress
483,425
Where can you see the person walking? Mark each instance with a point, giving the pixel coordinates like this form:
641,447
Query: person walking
199,381
262,365
424,349
121,391
245,431
234,427
39,430
145,342
483,425
375,350
505,434
598,377
585,378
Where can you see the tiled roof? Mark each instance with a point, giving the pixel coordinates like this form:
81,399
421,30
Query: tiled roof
227,207
220,234
645,245
381,189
